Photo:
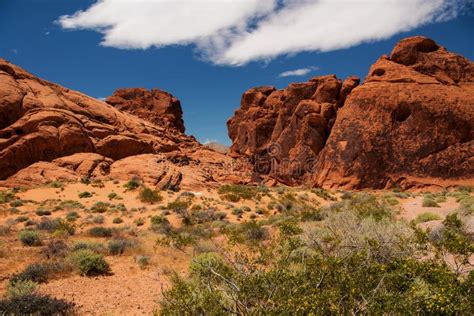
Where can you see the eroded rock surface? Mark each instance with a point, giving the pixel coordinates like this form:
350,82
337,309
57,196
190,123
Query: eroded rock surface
48,132
284,130
409,124
156,106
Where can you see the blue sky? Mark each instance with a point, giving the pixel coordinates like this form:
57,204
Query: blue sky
206,80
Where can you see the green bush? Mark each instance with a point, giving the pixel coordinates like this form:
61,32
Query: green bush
30,237
100,207
100,232
117,220
117,246
160,224
235,192
38,272
428,201
89,263
43,212
132,184
426,217
21,288
364,205
143,261
85,195
36,304
324,194
72,216
6,196
148,195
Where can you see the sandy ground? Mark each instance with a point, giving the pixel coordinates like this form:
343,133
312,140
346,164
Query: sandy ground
130,290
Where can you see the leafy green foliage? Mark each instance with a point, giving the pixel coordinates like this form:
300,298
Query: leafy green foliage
89,263
426,217
148,195
36,304
99,231
30,237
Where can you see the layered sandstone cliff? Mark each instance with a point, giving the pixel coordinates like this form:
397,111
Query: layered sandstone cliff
409,124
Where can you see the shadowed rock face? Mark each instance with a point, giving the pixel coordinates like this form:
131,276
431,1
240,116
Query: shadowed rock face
284,130
156,106
410,123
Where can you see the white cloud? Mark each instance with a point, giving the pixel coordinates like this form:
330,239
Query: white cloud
297,72
235,32
208,141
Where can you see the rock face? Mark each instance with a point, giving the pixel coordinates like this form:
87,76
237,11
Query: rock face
410,123
48,132
156,106
284,130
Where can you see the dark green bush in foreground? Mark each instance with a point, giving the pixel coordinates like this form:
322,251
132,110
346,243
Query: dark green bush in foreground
35,304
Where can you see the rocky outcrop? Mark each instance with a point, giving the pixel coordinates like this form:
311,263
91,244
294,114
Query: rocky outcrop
48,132
156,106
41,121
410,124
284,130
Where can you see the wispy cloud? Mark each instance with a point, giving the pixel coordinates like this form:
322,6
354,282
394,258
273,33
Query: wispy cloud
297,72
235,32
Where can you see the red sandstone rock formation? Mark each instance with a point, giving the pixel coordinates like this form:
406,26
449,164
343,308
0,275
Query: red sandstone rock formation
410,124
156,106
284,130
48,132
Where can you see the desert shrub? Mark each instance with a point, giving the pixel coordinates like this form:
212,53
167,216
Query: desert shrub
345,233
30,237
237,211
100,207
139,221
70,204
456,241
72,216
235,192
21,219
39,272
89,263
249,232
364,205
176,239
426,217
56,184
85,195
55,248
16,203
160,224
100,232
178,205
231,197
43,212
88,245
148,195
57,226
142,261
132,184
98,219
21,288
5,229
117,220
324,194
36,304
6,196
311,215
117,246
114,196
428,201
347,264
